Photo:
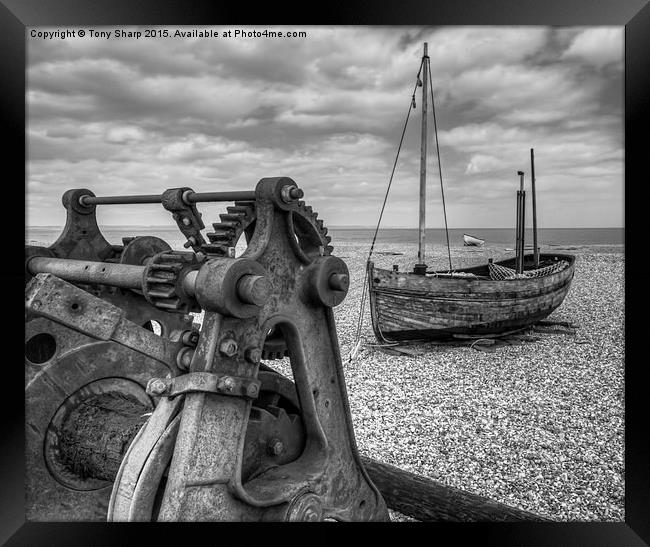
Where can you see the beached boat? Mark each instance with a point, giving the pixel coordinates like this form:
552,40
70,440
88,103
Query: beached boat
471,241
486,300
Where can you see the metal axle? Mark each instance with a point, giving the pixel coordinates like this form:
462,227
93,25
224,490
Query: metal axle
189,197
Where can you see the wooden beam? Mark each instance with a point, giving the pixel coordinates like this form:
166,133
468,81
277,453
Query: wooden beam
430,501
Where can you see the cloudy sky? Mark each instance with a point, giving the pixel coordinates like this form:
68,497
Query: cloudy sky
128,116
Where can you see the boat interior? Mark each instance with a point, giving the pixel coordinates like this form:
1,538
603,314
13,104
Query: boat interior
483,271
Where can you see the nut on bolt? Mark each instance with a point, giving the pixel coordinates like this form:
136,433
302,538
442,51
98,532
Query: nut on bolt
228,347
291,193
190,338
275,447
156,386
253,355
228,384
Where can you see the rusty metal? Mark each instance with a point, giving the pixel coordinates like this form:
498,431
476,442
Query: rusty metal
230,438
88,199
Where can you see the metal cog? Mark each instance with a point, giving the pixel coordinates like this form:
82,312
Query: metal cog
162,275
240,219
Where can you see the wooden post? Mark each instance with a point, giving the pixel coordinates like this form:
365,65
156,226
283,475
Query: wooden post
430,501
421,267
521,220
532,183
517,234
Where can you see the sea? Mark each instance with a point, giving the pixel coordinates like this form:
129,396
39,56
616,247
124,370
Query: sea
493,237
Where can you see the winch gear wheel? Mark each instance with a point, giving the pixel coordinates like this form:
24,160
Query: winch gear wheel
162,280
240,219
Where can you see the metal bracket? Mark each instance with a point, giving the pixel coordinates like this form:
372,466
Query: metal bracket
48,296
205,382
186,215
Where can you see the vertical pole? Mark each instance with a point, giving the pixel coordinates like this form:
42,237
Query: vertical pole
521,209
532,182
522,254
517,234
421,266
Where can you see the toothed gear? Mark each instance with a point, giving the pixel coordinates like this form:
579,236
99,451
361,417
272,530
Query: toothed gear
163,277
240,219
274,346
314,242
275,434
237,219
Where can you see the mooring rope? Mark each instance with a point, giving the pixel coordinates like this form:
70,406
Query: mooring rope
364,294
442,190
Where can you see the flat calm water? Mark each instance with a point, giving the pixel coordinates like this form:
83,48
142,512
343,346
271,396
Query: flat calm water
494,237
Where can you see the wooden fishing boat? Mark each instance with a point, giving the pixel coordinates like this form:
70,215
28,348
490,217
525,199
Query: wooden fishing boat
471,241
470,301
486,300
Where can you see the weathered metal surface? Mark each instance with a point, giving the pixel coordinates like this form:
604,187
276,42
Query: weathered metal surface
224,459
85,271
408,306
203,382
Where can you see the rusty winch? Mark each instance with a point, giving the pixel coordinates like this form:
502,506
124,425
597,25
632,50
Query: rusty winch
135,412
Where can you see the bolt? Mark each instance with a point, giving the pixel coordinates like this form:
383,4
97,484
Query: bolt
254,289
186,221
190,241
190,338
291,193
228,384
228,347
156,386
252,390
339,282
253,355
311,515
275,447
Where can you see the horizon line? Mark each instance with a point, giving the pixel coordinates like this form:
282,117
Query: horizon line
361,227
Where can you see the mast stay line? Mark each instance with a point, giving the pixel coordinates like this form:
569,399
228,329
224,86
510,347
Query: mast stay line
364,294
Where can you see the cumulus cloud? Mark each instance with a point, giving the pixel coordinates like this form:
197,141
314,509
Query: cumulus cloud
597,46
481,163
133,116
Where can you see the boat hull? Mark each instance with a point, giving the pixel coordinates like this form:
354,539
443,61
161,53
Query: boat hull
405,306
471,241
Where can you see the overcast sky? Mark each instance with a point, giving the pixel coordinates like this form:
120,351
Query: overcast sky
128,116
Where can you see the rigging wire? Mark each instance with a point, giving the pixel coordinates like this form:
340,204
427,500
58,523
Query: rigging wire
442,190
364,293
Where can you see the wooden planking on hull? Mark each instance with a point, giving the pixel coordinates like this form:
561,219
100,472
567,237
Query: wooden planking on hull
405,305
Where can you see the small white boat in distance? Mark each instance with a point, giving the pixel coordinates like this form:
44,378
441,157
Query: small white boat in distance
472,241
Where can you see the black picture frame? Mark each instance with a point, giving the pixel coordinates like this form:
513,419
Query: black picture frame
16,15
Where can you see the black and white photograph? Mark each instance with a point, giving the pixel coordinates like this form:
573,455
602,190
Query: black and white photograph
325,273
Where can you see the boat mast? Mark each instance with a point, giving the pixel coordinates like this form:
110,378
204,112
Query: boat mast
532,181
421,267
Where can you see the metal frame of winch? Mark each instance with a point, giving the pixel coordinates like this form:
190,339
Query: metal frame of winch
188,424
